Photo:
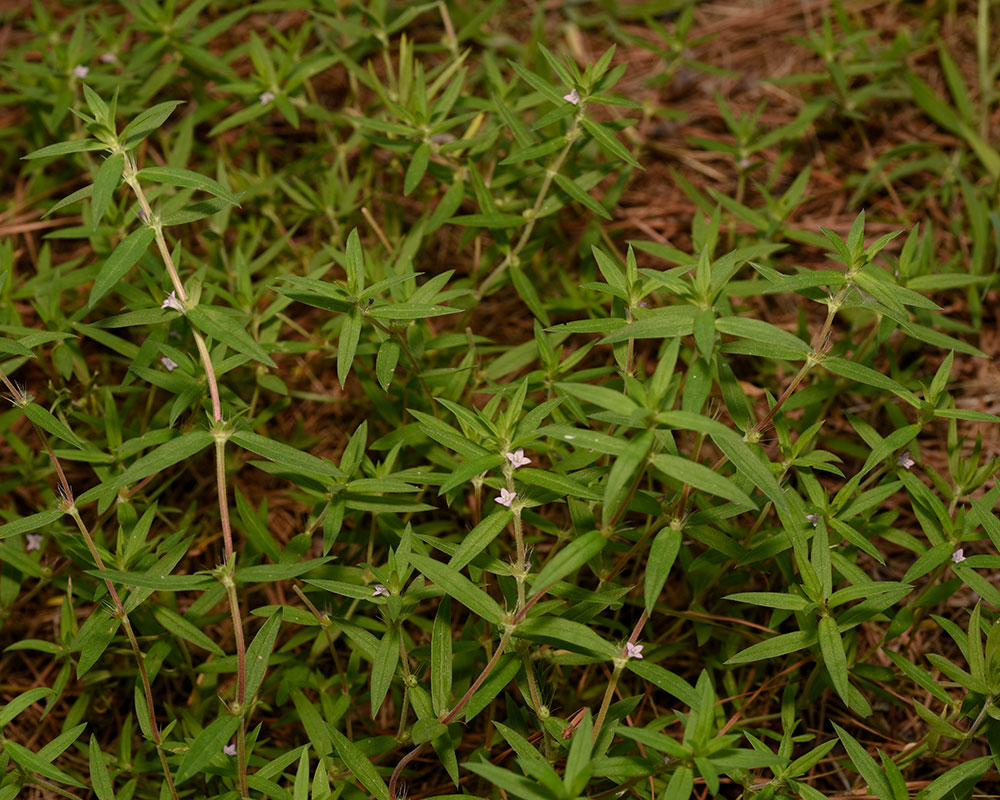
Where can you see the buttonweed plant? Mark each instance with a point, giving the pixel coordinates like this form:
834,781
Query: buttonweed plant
287,513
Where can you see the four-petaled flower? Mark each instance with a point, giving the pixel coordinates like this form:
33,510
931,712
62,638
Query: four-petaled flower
633,650
506,497
34,542
517,458
905,461
812,519
958,556
229,749
81,71
573,97
266,97
380,591
173,303
169,363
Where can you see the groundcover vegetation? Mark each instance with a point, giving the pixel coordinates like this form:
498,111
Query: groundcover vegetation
485,399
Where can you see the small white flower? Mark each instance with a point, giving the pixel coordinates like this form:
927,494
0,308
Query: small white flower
80,71
229,749
814,521
34,542
573,97
517,458
108,58
169,363
506,497
905,461
633,650
380,591
173,303
958,556
266,97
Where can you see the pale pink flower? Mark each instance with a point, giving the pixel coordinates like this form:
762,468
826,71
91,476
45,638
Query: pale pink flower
633,650
34,542
813,520
517,458
958,556
229,749
506,497
169,363
266,97
905,461
80,71
108,58
173,303
573,97
380,591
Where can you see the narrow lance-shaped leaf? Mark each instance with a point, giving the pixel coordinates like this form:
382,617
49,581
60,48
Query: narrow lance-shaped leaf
458,586
834,658
359,765
226,329
187,179
121,260
441,657
259,653
207,745
108,175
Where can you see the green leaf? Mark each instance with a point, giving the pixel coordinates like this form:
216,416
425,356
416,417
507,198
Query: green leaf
970,771
108,175
10,711
702,478
359,765
29,523
180,627
226,329
782,600
385,362
187,179
760,331
146,123
47,422
32,762
384,668
476,541
600,396
569,559
605,139
834,657
161,583
662,554
259,653
268,573
459,587
207,745
418,166
64,148
284,454
347,344
163,457
866,375
100,780
616,490
865,764
664,323
780,645
121,260
567,634
491,220
441,649
577,193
